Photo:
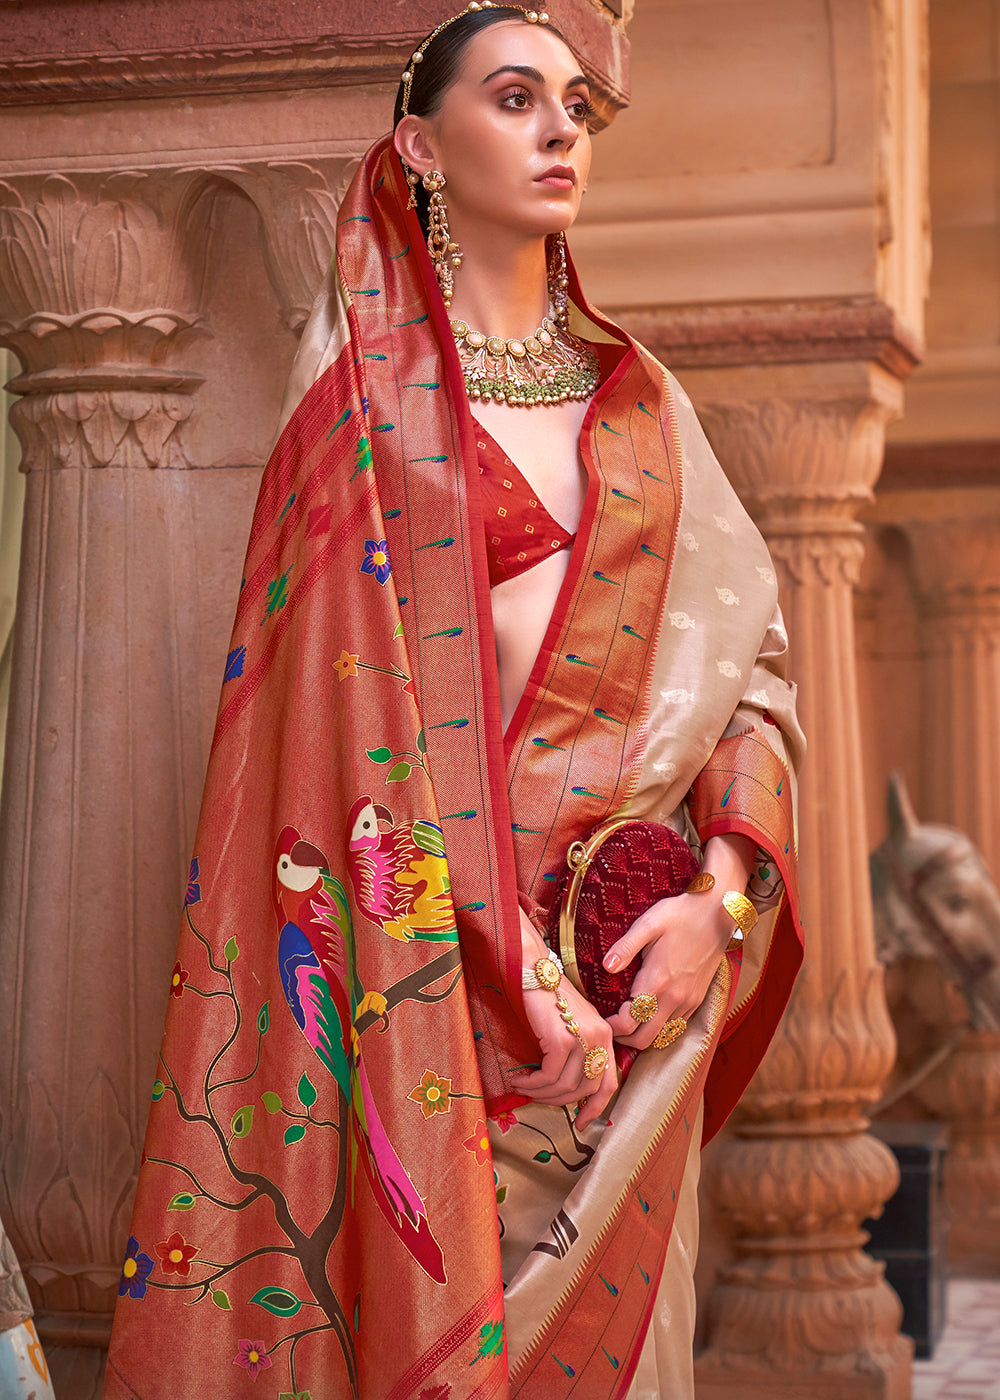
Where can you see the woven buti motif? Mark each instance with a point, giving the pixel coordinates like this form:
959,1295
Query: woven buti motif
610,879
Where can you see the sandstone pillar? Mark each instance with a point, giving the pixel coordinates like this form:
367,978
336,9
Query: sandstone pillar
129,572
955,556
953,539
802,1311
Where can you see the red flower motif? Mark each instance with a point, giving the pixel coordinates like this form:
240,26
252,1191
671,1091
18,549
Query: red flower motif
177,979
176,1255
479,1143
505,1121
253,1356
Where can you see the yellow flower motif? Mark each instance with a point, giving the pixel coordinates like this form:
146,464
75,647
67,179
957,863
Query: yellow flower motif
432,1094
346,666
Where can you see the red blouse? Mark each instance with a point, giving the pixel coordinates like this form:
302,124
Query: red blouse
520,532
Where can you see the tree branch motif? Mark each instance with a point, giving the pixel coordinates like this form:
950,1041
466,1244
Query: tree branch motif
197,1280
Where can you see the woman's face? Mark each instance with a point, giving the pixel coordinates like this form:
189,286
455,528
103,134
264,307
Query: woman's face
511,134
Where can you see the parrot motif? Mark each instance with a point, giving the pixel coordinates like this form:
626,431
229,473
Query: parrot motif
316,960
400,874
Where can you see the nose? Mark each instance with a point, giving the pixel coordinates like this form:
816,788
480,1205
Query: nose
562,129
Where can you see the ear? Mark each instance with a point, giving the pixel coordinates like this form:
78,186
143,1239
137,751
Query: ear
902,820
414,144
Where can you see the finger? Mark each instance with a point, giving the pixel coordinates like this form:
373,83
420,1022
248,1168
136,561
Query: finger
629,946
598,1102
552,1070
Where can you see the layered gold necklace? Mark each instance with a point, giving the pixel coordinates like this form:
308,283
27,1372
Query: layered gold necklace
550,367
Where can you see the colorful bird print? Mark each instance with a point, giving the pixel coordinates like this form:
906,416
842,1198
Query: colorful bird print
316,960
400,874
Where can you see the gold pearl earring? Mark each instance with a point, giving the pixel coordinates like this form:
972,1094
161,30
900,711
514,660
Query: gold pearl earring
445,252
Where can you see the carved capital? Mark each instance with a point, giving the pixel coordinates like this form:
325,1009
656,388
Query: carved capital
802,443
97,302
298,203
955,554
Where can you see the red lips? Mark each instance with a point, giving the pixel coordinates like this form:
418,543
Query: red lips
559,172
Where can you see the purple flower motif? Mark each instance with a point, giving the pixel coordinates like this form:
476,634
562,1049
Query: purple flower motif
376,560
253,1356
193,895
135,1271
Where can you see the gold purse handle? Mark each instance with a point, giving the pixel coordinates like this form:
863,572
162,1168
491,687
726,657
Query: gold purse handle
579,858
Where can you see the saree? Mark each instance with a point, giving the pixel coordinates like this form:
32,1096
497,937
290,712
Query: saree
317,1209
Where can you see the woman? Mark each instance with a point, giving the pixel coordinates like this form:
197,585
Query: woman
445,669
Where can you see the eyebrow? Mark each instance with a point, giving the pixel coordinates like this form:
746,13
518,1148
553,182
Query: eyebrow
533,75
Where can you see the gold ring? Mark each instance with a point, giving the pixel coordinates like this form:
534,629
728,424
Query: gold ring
668,1033
643,1007
595,1062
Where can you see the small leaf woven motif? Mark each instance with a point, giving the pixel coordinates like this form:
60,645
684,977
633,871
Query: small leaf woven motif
638,865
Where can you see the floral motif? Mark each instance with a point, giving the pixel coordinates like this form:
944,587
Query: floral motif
504,1121
479,1143
432,1094
193,895
252,1355
176,1255
376,560
177,979
135,1271
346,666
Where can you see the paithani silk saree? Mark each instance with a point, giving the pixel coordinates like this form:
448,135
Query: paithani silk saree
318,1207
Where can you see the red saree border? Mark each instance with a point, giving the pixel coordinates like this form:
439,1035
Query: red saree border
746,788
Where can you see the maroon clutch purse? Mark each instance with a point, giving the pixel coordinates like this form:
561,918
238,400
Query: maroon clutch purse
610,879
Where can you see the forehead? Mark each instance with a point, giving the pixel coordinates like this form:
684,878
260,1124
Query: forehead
515,43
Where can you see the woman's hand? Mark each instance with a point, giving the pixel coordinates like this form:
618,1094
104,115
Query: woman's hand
681,942
561,1079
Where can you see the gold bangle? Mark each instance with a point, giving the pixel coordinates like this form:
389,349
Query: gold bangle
545,975
740,910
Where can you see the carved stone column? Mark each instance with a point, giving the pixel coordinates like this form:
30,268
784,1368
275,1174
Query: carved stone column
129,574
803,1311
953,534
955,555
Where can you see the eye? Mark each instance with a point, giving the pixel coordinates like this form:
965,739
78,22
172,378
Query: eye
516,99
582,110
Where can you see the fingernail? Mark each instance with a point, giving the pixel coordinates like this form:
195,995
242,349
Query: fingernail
612,962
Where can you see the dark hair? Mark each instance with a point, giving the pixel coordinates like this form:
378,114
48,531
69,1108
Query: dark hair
438,69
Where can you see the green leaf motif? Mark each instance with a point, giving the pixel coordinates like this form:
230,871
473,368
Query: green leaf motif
295,1395
264,1018
242,1121
379,755
307,1094
221,1300
231,951
159,1089
182,1201
543,1156
277,1301
399,632
400,773
271,1101
294,1134
422,742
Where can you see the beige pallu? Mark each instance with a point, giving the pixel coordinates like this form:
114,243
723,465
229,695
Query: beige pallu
586,1220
